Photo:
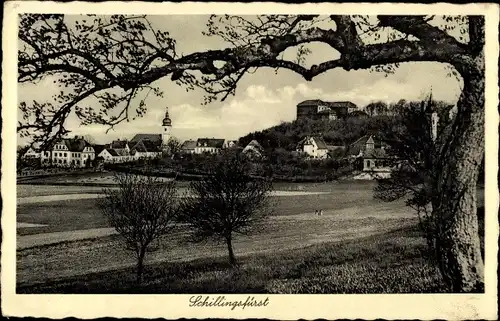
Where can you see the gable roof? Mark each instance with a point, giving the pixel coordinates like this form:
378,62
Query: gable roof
152,137
375,153
118,144
320,142
362,140
111,151
99,148
188,144
337,104
210,142
331,104
310,102
255,144
74,144
360,145
146,146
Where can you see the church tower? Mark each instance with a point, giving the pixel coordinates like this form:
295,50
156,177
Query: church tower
432,117
167,128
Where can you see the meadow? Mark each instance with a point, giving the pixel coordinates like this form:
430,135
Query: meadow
392,262
359,245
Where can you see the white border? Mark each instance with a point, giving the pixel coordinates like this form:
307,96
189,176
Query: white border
399,306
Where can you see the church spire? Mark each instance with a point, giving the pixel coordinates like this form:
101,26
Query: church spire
167,128
167,121
430,108
432,117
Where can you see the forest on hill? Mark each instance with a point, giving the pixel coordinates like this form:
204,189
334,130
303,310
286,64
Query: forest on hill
338,132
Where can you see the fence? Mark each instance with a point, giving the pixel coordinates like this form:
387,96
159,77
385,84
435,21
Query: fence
51,172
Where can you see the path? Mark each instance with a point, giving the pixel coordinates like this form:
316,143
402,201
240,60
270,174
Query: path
372,212
64,197
34,240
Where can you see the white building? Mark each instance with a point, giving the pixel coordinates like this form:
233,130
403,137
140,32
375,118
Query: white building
371,151
188,147
209,145
76,152
32,153
253,149
230,144
140,146
314,146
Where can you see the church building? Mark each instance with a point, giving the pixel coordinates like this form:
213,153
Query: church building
141,145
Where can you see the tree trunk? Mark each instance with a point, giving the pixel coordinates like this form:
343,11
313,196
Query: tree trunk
140,266
458,244
232,258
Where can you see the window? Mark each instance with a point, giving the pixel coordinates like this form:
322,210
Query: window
65,154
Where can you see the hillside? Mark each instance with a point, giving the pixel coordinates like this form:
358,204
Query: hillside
335,132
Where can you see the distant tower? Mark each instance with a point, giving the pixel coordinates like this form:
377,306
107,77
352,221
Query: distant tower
432,117
370,144
167,128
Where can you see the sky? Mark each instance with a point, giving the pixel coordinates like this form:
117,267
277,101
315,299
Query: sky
262,99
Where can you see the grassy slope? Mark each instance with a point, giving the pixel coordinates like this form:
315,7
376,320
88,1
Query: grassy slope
385,263
81,214
389,263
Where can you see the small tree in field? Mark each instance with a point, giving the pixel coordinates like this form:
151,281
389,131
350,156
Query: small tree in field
142,209
227,201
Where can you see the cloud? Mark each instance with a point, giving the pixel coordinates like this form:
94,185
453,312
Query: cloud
259,105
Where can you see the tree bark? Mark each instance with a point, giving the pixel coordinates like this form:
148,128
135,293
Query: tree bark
232,258
140,266
458,243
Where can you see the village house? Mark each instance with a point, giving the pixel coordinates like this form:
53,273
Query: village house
371,152
188,147
146,148
313,146
253,149
230,144
209,145
140,146
109,155
75,152
32,153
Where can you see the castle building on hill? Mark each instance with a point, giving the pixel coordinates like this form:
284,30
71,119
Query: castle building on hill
324,110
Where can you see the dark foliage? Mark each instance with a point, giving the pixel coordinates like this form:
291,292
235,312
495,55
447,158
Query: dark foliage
227,201
142,209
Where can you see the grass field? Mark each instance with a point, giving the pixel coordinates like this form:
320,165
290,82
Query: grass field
360,245
67,215
392,262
